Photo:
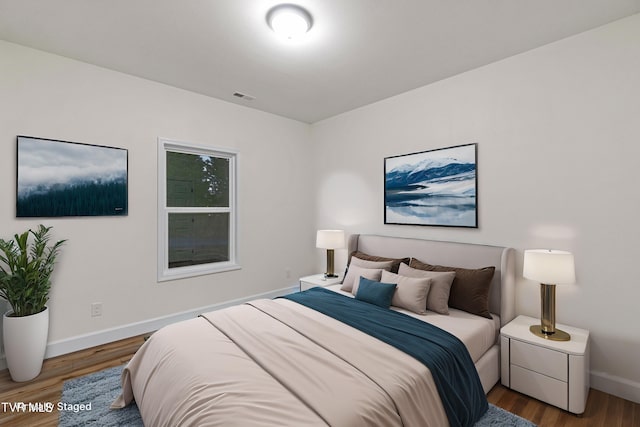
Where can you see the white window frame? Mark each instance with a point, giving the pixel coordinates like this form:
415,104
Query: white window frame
164,272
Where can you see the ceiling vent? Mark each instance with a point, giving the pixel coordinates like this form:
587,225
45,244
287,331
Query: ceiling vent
244,96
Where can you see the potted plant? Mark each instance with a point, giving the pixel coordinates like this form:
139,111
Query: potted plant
25,281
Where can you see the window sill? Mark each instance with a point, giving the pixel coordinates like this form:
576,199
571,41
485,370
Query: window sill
194,271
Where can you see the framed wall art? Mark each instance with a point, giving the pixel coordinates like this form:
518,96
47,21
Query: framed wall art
435,187
61,178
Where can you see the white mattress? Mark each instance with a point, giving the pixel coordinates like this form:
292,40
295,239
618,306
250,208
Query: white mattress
477,333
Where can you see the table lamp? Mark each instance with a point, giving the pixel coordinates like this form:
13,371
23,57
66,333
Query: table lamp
330,240
550,268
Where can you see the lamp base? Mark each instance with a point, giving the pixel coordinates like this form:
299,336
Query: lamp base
558,335
330,276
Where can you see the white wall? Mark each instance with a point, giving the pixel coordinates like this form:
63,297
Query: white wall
558,133
113,259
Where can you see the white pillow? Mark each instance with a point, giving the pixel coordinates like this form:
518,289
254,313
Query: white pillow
354,273
411,292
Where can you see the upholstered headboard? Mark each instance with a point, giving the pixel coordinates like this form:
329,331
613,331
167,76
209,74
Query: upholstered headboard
466,255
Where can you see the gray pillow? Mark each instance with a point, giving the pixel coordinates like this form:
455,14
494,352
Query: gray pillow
411,292
438,297
470,289
385,265
354,274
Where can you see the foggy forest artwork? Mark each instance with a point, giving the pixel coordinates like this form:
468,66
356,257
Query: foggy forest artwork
59,178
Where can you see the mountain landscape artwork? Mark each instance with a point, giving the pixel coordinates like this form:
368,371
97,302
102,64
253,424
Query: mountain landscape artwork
436,187
59,178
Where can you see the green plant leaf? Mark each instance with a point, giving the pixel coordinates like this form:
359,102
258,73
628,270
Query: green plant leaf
26,268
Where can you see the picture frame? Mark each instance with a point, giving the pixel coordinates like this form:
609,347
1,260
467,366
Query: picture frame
62,178
435,187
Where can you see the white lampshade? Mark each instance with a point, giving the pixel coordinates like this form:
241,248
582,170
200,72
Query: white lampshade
330,239
549,266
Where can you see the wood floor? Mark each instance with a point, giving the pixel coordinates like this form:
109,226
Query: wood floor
603,410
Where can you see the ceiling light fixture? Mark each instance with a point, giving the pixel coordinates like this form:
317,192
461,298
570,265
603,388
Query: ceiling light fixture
289,20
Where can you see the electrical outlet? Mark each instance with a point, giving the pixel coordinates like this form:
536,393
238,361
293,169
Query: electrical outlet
96,309
287,273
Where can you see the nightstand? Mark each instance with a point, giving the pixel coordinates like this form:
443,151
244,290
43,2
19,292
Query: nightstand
556,372
317,280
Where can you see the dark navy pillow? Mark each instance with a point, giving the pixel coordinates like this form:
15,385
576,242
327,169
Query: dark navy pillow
376,293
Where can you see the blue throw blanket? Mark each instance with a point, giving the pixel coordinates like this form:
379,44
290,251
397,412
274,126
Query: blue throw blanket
445,355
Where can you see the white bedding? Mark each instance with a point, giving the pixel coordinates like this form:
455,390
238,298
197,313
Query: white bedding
243,366
477,333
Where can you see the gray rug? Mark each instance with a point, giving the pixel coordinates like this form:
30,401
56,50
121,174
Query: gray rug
101,388
98,389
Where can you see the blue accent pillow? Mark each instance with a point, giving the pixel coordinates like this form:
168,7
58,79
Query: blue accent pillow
377,293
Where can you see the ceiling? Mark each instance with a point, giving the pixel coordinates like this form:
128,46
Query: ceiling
358,51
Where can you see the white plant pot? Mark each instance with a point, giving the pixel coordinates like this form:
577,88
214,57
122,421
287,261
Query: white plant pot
25,342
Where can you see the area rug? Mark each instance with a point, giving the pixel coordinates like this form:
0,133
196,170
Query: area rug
86,400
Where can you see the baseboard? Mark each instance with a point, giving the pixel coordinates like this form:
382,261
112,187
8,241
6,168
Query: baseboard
617,386
81,342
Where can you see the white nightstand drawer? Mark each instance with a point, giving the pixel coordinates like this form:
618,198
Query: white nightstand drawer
543,360
540,386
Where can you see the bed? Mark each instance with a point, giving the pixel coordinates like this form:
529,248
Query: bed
325,357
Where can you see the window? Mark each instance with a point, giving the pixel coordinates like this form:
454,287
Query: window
196,210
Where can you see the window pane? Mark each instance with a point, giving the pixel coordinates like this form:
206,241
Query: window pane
199,238
197,180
